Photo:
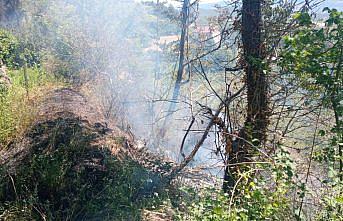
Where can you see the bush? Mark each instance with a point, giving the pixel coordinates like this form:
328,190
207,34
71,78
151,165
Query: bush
66,177
255,203
256,197
15,53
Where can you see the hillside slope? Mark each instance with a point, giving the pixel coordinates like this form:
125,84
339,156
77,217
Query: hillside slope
72,165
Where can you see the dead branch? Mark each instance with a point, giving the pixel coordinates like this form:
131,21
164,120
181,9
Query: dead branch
196,148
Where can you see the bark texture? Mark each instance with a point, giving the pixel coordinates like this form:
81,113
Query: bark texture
257,90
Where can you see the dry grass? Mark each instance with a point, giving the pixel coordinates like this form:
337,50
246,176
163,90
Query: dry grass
18,104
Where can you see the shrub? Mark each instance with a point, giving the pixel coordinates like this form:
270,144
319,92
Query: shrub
15,53
66,177
256,197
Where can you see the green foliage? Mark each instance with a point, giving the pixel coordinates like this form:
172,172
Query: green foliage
303,18
254,203
206,204
16,109
313,55
258,198
333,200
8,48
15,53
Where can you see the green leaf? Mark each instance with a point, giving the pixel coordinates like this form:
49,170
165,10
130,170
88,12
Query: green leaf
322,133
218,210
303,18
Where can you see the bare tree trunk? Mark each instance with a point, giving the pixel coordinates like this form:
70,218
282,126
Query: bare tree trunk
335,106
177,86
257,87
185,13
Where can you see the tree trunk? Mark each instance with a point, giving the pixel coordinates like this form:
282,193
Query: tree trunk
177,86
257,87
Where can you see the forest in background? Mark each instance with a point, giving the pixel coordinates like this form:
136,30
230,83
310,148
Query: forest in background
247,92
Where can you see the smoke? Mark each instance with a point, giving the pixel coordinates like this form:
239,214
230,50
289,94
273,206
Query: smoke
112,47
9,15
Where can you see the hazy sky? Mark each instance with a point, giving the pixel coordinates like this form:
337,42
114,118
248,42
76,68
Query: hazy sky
210,1
331,3
206,1
173,2
334,3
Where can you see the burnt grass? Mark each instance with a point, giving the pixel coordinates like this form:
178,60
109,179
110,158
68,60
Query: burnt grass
60,172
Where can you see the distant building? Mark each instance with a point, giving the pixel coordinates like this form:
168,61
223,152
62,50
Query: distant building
201,33
162,42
